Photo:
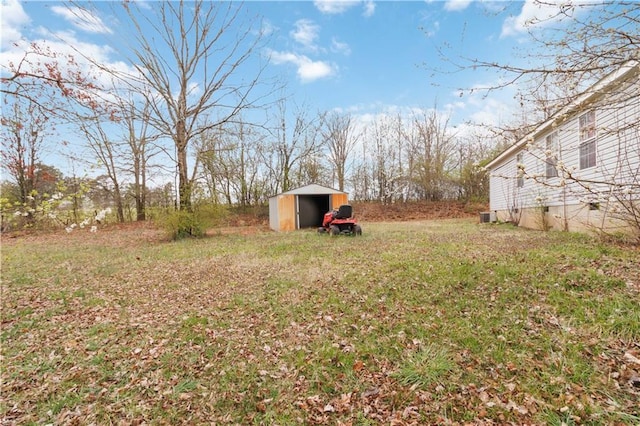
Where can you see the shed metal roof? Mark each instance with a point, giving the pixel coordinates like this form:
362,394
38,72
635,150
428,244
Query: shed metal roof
312,189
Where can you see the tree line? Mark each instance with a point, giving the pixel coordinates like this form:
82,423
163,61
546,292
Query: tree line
390,159
194,117
185,122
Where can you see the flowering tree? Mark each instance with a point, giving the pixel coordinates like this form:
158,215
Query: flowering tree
43,87
52,81
23,133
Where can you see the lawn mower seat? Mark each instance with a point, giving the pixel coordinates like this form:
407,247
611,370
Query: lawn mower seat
344,212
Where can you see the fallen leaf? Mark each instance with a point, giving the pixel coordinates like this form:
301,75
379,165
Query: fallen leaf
628,357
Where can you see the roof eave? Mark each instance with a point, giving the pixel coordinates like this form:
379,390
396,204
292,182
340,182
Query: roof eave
594,91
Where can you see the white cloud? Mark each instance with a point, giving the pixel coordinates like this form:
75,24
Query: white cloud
369,8
478,108
456,5
340,47
267,28
71,56
535,13
82,19
431,32
307,69
334,7
492,112
306,33
12,18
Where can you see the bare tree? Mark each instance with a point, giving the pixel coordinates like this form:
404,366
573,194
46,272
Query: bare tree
292,144
472,178
387,171
340,135
581,42
230,160
107,152
314,169
191,55
361,178
134,120
432,149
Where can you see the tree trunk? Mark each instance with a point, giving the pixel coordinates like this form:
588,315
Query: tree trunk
118,199
184,183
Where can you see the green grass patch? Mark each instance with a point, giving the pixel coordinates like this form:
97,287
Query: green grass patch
424,322
429,365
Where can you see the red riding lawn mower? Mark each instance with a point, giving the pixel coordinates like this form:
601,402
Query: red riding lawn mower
340,221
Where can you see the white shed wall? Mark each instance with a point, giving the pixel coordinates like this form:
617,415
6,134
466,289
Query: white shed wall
274,219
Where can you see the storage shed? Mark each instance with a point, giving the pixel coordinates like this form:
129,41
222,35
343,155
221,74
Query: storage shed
303,207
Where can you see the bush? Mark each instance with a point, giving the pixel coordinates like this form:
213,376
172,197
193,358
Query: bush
181,224
212,215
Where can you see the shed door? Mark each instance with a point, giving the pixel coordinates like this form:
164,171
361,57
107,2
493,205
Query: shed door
337,200
287,213
311,209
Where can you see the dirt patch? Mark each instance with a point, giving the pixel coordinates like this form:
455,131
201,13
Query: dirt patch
377,212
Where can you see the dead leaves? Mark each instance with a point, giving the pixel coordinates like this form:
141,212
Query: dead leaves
228,332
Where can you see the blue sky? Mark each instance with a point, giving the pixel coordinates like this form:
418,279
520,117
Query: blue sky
372,57
364,57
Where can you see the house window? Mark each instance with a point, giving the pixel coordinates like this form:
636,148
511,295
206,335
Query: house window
520,170
588,154
587,140
552,155
587,126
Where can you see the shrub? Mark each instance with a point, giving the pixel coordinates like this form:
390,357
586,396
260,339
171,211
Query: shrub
212,215
181,224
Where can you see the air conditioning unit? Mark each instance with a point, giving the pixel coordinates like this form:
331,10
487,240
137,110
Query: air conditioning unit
487,217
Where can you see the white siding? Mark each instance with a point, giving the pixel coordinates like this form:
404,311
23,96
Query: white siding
502,186
617,156
504,191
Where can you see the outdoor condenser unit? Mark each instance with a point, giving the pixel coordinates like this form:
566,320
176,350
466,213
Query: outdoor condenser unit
487,217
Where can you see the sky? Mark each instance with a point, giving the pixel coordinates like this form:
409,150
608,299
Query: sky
362,57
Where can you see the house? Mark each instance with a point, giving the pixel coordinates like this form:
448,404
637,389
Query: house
303,207
580,169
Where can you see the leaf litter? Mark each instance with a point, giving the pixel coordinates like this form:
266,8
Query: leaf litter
124,327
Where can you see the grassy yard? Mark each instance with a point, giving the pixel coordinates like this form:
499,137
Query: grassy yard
413,323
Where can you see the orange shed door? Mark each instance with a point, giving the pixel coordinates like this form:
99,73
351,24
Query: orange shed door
287,212
338,199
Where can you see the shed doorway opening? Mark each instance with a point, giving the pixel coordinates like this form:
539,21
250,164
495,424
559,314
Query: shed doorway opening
311,210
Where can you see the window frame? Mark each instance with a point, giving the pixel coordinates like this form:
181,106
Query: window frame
551,163
587,150
519,174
